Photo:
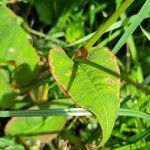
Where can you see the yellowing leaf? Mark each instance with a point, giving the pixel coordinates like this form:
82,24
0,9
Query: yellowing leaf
92,89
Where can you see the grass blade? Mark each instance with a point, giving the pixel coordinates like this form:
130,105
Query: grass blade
146,33
136,22
69,112
101,30
134,113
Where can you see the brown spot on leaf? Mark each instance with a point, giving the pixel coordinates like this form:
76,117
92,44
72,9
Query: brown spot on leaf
68,74
109,80
113,57
118,88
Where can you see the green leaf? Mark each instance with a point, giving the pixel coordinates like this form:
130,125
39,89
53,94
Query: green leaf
5,91
38,125
92,89
75,28
14,45
10,144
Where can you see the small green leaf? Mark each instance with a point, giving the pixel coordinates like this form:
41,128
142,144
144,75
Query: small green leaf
38,125
146,33
92,89
10,144
5,90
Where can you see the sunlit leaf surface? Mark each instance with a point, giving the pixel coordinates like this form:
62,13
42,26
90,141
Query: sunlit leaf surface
92,89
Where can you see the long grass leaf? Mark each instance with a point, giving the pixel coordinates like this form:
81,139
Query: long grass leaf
146,33
69,112
136,22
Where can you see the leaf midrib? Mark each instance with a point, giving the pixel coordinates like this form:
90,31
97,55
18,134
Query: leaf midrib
84,70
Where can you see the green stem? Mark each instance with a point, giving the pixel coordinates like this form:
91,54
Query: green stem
3,61
107,24
133,51
8,62
40,34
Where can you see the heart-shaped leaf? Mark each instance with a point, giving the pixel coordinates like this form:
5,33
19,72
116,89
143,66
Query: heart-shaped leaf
93,89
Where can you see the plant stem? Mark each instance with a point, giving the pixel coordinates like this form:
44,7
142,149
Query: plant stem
123,77
40,34
110,38
8,62
107,24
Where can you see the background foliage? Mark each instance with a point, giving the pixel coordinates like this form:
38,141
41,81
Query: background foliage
28,30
